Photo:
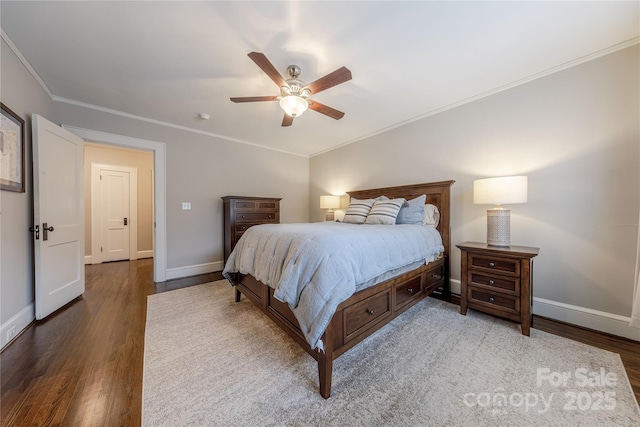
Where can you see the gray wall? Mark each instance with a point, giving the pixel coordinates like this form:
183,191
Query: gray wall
576,135
200,169
24,96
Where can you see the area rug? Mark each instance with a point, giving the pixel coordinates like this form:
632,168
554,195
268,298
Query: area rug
209,361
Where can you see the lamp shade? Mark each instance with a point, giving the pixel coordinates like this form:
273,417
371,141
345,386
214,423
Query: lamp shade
329,202
294,105
500,191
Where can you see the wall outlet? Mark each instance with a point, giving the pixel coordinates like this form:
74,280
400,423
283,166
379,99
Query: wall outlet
186,206
11,333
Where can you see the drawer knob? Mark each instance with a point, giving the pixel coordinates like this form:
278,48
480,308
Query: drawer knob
243,216
270,216
410,290
435,276
492,264
369,311
491,282
491,299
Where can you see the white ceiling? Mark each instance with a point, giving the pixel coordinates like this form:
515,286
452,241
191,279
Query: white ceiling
169,61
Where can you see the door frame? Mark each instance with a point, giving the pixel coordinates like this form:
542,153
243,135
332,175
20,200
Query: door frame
97,210
159,187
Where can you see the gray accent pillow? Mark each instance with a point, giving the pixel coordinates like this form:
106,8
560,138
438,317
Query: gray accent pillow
384,212
412,211
357,211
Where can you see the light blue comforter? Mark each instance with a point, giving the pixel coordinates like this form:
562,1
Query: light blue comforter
314,267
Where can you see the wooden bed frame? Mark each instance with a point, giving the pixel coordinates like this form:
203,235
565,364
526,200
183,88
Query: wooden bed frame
369,309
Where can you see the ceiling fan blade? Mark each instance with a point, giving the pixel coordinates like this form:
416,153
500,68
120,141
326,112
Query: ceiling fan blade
327,111
287,120
266,66
254,98
340,75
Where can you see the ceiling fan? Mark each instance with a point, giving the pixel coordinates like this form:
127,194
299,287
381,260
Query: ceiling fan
294,93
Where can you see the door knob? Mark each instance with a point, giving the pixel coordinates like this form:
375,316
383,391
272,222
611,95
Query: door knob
125,221
45,231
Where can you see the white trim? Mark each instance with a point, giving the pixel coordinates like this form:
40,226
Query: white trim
552,70
57,98
586,317
88,259
26,63
511,85
145,254
455,286
20,321
97,209
159,187
194,270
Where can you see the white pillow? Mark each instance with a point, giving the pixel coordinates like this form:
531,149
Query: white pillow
357,211
384,211
431,215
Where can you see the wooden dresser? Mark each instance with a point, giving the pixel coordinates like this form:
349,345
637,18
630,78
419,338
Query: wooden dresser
497,280
241,212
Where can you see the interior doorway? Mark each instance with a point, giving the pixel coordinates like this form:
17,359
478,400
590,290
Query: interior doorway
158,150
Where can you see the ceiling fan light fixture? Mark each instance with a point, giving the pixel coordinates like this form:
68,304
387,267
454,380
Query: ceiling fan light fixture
294,105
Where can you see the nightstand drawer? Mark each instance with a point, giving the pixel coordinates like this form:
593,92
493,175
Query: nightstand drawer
496,264
499,283
493,299
255,216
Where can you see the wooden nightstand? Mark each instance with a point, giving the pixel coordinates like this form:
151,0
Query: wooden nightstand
497,281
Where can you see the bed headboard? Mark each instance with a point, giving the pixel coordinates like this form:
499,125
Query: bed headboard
438,193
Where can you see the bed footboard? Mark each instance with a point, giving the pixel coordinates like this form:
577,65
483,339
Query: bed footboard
356,318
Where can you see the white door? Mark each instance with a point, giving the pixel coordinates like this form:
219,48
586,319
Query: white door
58,214
115,215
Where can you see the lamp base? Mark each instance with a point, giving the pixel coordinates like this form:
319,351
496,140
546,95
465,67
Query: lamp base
499,227
329,215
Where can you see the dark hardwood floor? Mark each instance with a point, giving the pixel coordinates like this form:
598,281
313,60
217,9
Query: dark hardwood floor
83,365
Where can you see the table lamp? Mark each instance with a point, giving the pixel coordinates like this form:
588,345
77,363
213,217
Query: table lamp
499,191
330,203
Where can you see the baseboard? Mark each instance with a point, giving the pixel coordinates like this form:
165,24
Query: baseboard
455,286
194,270
12,327
587,318
88,259
145,254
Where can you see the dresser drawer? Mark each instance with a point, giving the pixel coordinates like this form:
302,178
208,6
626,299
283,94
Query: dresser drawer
366,313
241,205
241,228
407,292
496,264
255,216
494,300
267,205
510,285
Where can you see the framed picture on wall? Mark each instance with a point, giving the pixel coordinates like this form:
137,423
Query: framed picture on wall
11,151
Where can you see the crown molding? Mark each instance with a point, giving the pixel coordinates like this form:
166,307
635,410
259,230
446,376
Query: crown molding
166,124
76,103
24,61
511,85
